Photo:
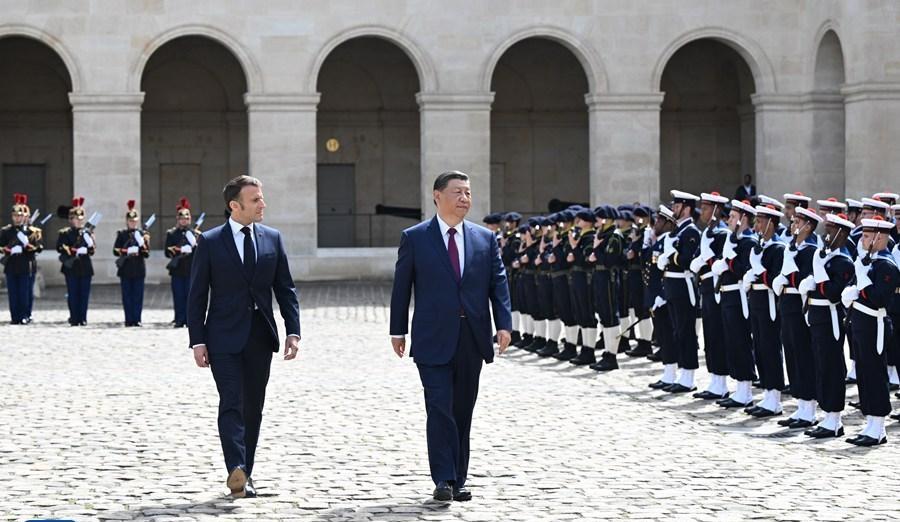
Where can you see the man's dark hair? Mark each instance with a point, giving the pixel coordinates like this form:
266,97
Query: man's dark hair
441,182
232,190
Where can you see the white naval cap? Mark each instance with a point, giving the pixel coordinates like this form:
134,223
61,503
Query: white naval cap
875,204
766,200
832,204
667,213
854,204
743,207
887,196
681,196
768,211
878,223
810,215
797,197
713,197
840,220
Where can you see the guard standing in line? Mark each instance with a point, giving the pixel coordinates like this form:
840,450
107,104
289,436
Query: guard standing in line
180,243
642,327
560,268
730,269
509,247
854,209
580,246
536,322
832,272
76,245
796,266
868,302
630,292
607,256
655,294
131,248
544,285
679,250
831,206
712,210
783,231
20,243
765,321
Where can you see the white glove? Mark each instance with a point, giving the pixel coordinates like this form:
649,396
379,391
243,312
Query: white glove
139,238
820,275
133,250
669,243
756,265
22,238
659,302
186,249
778,284
807,285
88,240
81,251
849,295
862,274
719,267
748,280
697,264
15,250
663,261
788,264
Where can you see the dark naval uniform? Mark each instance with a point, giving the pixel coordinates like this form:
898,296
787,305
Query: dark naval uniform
559,276
714,337
180,243
20,245
655,300
795,333
75,247
680,294
581,296
765,323
131,248
609,258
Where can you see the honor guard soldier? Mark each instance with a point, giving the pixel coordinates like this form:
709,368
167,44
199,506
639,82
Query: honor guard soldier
831,206
608,257
180,243
871,207
712,211
832,272
783,230
544,285
797,265
629,283
532,319
640,325
655,296
131,248
76,245
580,247
20,243
765,320
509,247
679,250
559,277
730,269
877,279
854,209
893,348
792,202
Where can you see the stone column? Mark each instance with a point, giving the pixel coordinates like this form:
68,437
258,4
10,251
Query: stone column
624,147
782,145
872,115
825,116
283,155
106,145
456,135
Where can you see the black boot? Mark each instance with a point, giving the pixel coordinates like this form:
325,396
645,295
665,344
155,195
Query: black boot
551,348
524,341
585,357
536,344
514,337
607,363
655,356
568,352
642,349
624,344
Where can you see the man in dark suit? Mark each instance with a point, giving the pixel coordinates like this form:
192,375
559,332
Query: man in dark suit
236,269
454,268
747,190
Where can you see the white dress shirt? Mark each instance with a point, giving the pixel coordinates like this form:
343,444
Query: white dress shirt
239,238
460,242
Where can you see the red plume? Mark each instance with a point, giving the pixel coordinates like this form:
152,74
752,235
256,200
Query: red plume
130,204
16,198
74,202
184,203
24,198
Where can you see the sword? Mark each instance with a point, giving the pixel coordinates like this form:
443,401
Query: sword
200,220
47,218
34,216
150,221
93,221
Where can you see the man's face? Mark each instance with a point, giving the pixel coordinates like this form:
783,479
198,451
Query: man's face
734,218
868,239
746,180
765,226
866,213
659,225
455,199
184,221
677,208
249,206
582,224
76,221
706,211
132,224
19,218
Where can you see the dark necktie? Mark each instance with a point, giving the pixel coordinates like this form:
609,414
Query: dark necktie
249,251
454,254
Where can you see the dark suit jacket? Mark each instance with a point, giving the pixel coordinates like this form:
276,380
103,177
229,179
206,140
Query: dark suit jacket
423,266
222,294
741,193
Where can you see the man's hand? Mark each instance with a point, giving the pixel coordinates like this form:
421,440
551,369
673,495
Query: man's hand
399,344
291,347
201,357
503,339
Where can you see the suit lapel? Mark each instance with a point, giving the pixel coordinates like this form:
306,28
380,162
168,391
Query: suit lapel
228,240
261,246
469,248
437,241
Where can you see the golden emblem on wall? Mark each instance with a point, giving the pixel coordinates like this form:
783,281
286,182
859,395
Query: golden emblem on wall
332,145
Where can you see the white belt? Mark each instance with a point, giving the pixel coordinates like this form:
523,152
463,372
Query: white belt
835,326
731,288
745,309
791,291
759,286
762,287
706,276
689,279
879,316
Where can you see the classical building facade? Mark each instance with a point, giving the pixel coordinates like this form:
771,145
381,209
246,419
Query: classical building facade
346,107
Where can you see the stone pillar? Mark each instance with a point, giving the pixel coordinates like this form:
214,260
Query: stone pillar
106,144
624,147
782,145
283,156
872,115
825,115
456,135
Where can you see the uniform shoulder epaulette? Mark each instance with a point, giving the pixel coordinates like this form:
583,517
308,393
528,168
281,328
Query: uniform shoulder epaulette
64,230
6,227
171,230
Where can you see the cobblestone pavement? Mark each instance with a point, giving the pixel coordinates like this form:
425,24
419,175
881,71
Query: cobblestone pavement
111,423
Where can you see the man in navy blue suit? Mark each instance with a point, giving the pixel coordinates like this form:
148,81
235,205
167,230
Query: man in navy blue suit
236,269
454,269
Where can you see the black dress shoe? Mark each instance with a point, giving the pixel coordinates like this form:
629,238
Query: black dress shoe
551,348
786,422
897,395
867,441
679,388
824,433
798,424
568,352
750,408
584,358
178,325
707,395
82,323
642,349
761,413
249,489
461,494
536,344
731,403
655,356
443,492
607,363
524,341
659,385
720,401
515,337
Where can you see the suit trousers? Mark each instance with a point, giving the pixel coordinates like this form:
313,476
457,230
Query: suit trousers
828,353
241,379
180,287
17,287
798,355
78,294
132,298
684,323
450,393
739,348
871,367
714,338
767,348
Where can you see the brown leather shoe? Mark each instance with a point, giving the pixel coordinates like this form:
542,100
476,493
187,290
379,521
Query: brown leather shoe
237,479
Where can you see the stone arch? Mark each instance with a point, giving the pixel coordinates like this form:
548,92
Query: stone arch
53,43
590,60
425,69
828,61
248,64
749,50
